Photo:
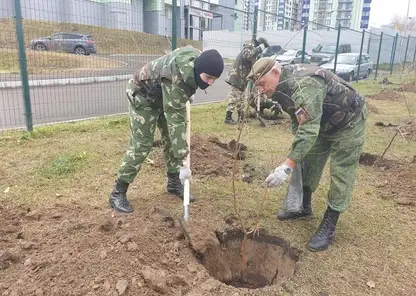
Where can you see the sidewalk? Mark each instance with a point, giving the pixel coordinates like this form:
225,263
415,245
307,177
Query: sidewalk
64,81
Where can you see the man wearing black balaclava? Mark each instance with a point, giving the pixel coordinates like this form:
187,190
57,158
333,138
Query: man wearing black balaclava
157,95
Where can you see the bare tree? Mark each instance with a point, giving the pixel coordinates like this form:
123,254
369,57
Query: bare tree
399,23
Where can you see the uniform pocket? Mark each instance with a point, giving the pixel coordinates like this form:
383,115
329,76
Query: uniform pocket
132,92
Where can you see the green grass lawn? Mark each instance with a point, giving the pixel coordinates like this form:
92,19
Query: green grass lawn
375,240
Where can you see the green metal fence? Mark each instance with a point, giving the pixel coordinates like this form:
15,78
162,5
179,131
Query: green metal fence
70,60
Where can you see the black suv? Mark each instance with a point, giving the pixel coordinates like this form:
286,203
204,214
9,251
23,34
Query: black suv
271,50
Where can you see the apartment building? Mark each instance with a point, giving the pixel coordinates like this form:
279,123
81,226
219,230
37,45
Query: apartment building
280,14
353,14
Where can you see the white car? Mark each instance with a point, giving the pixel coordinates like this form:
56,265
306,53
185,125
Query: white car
347,66
293,56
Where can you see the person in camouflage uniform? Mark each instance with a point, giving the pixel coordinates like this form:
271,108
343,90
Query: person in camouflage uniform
158,94
237,77
328,119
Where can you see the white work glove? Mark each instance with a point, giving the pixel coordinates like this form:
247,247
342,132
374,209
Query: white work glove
185,173
278,176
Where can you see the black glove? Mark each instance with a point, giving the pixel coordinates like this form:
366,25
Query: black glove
262,40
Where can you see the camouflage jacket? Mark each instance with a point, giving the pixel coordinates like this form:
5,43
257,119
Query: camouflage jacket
169,83
242,65
329,104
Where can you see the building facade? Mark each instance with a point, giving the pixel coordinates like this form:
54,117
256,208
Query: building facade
352,14
280,14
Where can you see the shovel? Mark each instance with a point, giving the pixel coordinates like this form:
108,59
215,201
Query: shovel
262,124
186,185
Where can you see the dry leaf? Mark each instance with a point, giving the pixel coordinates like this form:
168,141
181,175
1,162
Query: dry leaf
7,190
371,284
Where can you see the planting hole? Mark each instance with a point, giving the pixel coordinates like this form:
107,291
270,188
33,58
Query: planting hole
270,260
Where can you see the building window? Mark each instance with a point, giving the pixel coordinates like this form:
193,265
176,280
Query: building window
168,11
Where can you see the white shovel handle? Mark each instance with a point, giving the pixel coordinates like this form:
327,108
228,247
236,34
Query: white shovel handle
187,162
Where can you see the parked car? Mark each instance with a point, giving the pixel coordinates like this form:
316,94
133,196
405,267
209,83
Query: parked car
67,42
293,56
271,50
323,53
347,66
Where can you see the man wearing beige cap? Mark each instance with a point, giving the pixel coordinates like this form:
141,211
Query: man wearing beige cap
328,119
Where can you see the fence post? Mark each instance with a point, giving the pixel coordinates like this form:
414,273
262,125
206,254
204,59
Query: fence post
336,49
305,32
414,56
405,53
361,52
369,44
393,52
174,22
255,19
378,55
23,66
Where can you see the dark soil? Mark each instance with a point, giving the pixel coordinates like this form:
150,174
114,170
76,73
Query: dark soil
269,260
397,179
210,157
399,183
369,159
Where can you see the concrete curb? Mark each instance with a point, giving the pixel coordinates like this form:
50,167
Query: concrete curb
67,81
64,81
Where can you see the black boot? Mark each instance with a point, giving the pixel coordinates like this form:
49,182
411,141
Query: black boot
306,212
118,199
228,118
323,238
175,186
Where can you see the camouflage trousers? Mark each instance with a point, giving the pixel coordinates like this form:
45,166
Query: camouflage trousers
344,149
235,100
144,118
254,98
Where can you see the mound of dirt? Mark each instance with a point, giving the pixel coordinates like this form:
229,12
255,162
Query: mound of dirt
399,183
409,87
398,180
369,159
408,130
386,95
81,250
78,250
210,157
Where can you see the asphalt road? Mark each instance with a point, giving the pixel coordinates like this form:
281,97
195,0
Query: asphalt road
63,103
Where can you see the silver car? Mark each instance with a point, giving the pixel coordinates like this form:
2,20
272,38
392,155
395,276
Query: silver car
293,56
67,42
347,66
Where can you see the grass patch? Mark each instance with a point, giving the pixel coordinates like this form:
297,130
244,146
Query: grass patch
63,165
108,41
374,240
49,62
